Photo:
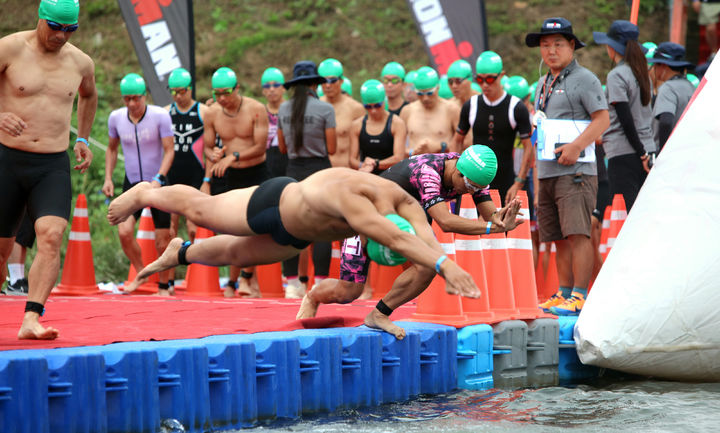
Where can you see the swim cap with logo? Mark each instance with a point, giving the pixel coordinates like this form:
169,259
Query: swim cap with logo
224,78
410,77
460,69
533,89
650,47
346,86
393,68
517,86
60,11
132,84
427,78
178,78
372,92
444,90
383,255
272,74
488,62
478,163
330,68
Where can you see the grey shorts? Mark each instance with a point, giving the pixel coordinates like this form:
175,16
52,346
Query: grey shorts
565,205
708,13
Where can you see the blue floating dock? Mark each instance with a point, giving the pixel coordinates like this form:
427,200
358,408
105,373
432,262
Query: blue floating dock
227,382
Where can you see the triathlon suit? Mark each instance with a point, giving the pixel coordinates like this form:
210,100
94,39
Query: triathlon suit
399,109
496,124
276,160
263,212
142,148
38,181
187,167
421,176
376,146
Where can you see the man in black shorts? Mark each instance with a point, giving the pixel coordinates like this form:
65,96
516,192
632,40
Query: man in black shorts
40,74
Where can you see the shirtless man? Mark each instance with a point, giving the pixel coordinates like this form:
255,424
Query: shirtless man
393,76
40,74
242,125
346,109
460,82
431,120
279,218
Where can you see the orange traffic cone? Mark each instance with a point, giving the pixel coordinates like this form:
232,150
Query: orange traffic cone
435,305
469,256
203,280
78,275
335,260
605,232
382,278
146,238
270,280
552,282
497,264
521,263
540,274
617,218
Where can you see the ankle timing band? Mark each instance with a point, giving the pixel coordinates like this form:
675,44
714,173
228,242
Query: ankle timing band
34,307
181,253
163,286
246,275
381,307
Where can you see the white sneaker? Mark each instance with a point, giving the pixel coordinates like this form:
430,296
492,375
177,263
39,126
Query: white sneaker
295,290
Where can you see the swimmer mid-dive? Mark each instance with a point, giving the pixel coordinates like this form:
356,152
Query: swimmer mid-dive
274,221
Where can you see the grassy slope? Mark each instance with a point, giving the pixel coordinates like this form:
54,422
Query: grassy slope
250,35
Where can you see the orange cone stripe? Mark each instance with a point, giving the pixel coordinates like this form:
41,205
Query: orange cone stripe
80,212
448,248
469,212
79,236
145,234
494,244
519,244
468,244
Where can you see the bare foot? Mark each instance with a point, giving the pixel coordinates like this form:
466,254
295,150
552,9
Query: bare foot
367,292
137,282
127,203
308,308
378,320
247,290
31,329
163,292
168,259
229,292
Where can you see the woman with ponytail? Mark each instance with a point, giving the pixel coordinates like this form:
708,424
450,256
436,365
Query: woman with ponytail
628,141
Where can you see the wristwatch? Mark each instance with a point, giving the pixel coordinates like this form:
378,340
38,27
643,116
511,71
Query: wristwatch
237,156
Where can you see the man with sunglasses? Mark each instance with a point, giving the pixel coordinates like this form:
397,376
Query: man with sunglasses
567,188
430,120
393,76
40,75
242,125
496,118
346,109
459,79
146,134
433,180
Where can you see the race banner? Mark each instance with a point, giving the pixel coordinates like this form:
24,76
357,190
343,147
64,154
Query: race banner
163,36
451,29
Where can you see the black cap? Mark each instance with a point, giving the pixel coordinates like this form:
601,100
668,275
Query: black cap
620,33
305,72
671,54
553,26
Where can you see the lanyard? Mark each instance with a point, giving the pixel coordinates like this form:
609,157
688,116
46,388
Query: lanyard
544,97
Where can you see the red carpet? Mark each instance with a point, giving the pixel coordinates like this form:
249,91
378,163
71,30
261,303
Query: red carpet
104,319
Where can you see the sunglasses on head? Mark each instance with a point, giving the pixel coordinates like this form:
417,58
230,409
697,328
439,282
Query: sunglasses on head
392,80
369,106
487,79
179,91
271,85
425,93
331,80
455,81
59,27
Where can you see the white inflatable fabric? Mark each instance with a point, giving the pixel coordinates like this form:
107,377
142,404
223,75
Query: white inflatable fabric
655,306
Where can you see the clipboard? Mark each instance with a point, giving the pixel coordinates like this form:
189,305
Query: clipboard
553,133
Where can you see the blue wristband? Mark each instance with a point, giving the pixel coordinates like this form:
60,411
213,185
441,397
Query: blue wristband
487,230
439,262
206,179
410,153
82,140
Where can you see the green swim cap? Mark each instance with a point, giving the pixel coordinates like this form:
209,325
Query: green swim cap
650,47
346,86
132,84
517,86
476,87
410,77
692,78
478,163
372,92
504,80
488,62
179,78
533,89
272,74
319,91
393,68
60,11
383,255
460,69
224,78
444,91
427,78
330,68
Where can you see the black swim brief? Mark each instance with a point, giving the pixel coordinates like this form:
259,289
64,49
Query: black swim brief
263,212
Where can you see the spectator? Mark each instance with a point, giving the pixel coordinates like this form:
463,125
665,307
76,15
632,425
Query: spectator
708,14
